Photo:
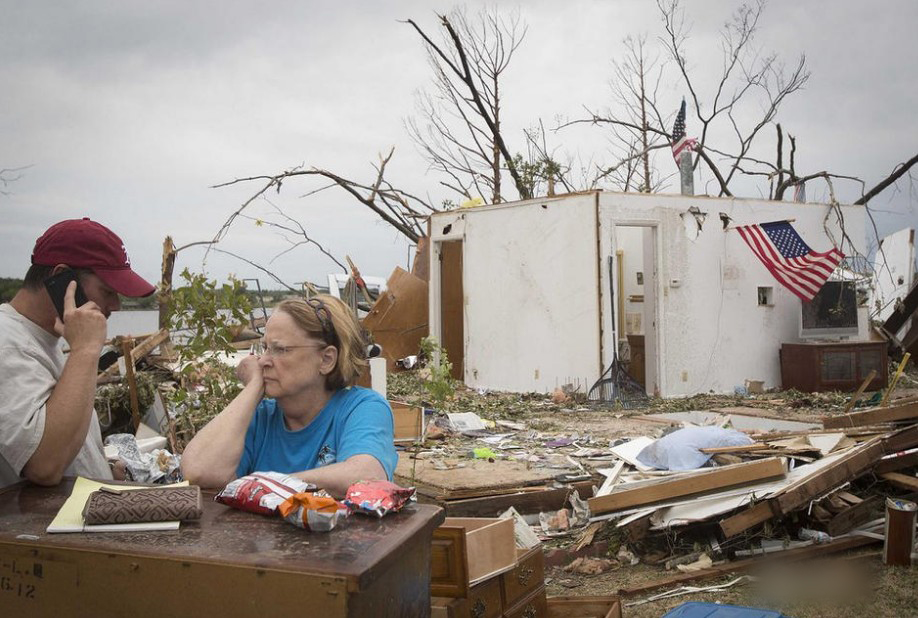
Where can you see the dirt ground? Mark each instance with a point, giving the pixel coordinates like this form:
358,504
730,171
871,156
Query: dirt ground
850,584
854,585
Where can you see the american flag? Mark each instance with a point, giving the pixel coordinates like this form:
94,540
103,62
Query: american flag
789,259
680,142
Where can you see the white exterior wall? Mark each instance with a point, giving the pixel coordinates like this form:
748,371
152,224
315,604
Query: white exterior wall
712,334
536,290
530,286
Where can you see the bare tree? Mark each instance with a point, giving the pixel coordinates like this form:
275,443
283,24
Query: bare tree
400,209
459,126
747,79
635,87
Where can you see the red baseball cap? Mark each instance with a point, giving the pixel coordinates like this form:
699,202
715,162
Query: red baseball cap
81,243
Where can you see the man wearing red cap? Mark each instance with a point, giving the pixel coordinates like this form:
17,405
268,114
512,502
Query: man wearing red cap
48,427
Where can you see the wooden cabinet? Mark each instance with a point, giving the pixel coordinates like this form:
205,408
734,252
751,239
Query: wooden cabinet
532,606
515,593
229,563
528,575
839,366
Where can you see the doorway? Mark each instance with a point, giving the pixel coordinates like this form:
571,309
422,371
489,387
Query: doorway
635,287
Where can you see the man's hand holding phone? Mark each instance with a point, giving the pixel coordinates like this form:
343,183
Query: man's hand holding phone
83,327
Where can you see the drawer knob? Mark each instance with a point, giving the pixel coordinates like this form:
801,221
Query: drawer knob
478,610
525,575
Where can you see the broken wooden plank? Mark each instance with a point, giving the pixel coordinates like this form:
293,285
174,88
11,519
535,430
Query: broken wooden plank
140,350
903,481
851,517
873,416
735,449
548,499
749,517
684,485
901,440
848,497
845,469
860,391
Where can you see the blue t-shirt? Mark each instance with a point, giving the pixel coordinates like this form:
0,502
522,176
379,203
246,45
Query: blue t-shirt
355,421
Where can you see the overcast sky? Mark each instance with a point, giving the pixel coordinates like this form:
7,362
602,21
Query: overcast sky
128,112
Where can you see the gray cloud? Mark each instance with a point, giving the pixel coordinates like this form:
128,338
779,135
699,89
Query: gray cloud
130,111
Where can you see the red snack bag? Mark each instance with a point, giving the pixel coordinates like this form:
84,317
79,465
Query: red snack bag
377,497
261,492
317,512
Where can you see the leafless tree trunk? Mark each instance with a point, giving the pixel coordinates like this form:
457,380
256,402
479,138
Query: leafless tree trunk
459,130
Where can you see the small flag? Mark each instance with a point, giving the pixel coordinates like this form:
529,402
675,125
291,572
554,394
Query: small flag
789,259
800,192
680,142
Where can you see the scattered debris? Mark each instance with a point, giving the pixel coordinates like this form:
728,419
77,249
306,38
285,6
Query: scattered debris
592,566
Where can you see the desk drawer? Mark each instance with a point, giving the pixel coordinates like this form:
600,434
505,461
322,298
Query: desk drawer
528,575
533,606
584,607
484,599
467,551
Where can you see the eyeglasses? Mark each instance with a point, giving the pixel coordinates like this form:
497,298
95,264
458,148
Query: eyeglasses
325,319
276,351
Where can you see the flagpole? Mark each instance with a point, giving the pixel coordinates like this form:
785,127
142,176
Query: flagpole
733,227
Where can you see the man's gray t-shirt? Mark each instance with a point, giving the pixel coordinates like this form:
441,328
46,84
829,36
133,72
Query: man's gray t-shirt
31,363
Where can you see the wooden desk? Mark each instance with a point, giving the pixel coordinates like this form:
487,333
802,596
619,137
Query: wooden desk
230,563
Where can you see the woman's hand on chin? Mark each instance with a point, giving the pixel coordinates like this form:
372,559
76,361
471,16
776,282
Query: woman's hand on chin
250,371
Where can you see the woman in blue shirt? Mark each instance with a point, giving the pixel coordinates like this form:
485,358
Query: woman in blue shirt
298,412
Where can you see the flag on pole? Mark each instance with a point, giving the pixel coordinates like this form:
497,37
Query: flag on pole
789,259
680,142
800,191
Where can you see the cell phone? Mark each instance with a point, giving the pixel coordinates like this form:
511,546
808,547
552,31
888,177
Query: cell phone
57,288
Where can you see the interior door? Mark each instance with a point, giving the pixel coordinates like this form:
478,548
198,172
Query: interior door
452,330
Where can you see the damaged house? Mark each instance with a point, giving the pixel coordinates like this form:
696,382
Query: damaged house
531,296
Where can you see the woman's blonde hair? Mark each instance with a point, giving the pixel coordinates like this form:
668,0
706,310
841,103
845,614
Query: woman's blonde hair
326,318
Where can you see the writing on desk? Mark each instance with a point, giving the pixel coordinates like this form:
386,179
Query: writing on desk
20,589
15,576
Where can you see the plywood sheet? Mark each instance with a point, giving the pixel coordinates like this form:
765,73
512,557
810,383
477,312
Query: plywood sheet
479,477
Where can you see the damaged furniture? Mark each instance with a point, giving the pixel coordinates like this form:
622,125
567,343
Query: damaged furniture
477,571
228,563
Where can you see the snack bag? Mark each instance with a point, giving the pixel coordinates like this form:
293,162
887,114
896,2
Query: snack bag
377,497
261,492
317,511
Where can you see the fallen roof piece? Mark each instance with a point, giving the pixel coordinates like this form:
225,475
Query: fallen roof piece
805,483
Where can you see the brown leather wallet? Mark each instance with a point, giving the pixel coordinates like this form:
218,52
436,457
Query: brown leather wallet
124,506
